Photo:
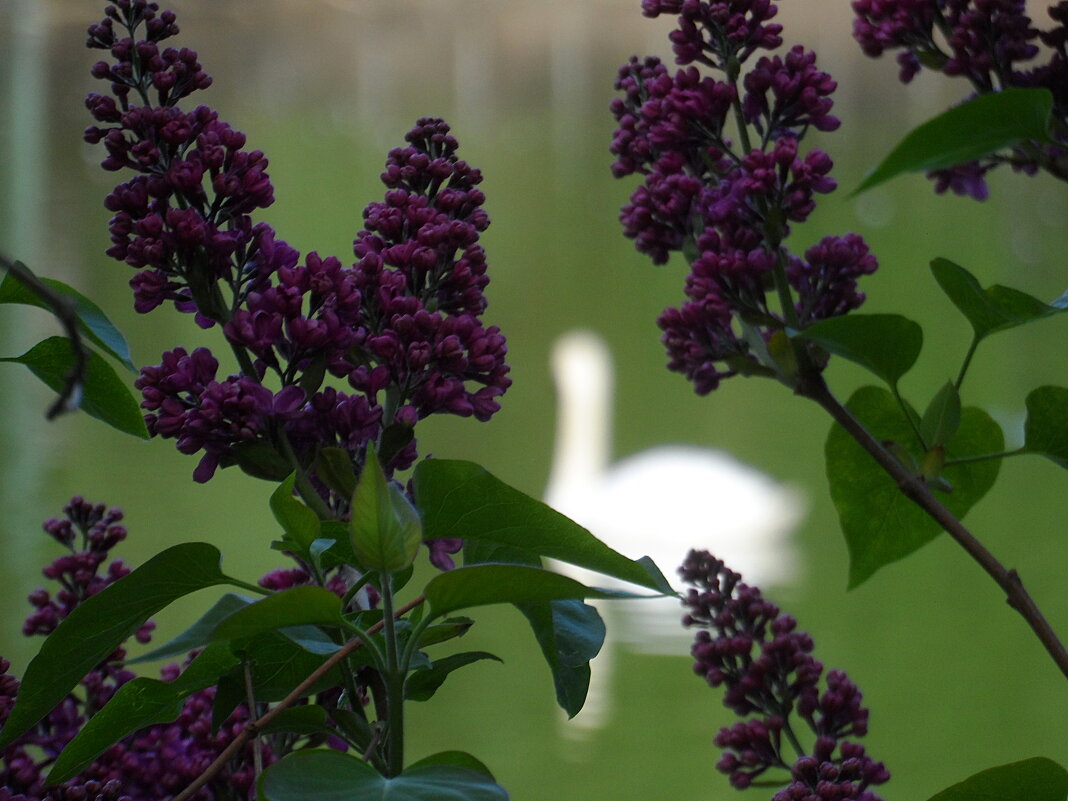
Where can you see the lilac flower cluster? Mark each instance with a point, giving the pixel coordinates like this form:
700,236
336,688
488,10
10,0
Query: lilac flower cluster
153,764
766,666
728,207
993,45
401,326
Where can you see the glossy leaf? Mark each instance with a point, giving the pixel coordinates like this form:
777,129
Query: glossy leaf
480,585
96,326
422,684
333,776
103,394
385,528
293,607
462,499
1046,429
199,634
884,344
104,621
942,418
570,634
996,308
296,519
139,703
1035,779
880,524
976,128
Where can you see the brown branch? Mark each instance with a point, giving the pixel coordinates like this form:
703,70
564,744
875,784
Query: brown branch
252,729
917,490
63,310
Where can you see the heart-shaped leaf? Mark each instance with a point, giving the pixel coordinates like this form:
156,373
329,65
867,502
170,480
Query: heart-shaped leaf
880,524
884,344
333,776
199,634
385,528
1046,429
1035,779
996,308
293,607
480,585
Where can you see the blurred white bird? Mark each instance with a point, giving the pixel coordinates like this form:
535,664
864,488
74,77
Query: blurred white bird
659,503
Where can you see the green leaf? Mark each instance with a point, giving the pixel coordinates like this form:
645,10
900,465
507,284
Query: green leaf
333,776
460,759
462,499
102,622
103,394
94,323
385,529
1046,429
296,519
884,344
422,684
139,703
480,585
279,664
448,629
305,720
259,459
199,634
1035,779
996,308
880,524
942,418
293,607
333,466
570,634
974,129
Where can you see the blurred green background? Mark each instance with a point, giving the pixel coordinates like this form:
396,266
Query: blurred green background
954,678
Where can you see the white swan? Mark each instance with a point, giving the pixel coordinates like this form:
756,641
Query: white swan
660,503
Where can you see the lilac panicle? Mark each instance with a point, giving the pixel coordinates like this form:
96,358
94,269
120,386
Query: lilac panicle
993,45
151,765
726,196
765,665
401,327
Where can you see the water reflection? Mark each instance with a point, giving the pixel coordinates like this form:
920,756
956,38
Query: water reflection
325,89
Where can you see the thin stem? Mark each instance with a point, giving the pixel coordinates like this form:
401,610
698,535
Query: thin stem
394,684
303,483
967,361
916,490
985,457
246,586
298,692
250,699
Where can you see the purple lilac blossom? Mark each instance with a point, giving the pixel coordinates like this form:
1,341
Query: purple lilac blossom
765,665
401,327
151,765
728,204
993,45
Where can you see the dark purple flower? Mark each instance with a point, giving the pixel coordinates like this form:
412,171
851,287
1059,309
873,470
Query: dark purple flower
728,208
765,665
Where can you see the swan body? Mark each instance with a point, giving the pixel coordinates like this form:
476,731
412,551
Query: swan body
658,503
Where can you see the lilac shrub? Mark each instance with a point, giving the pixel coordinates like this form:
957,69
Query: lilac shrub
994,46
151,765
401,327
766,667
728,204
